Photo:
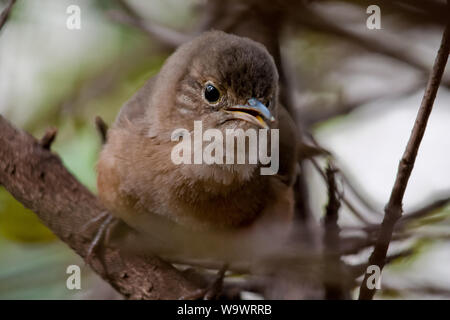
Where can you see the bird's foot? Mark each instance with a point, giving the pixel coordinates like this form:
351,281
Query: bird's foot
211,292
104,232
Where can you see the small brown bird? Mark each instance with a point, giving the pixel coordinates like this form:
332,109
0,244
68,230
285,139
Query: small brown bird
226,82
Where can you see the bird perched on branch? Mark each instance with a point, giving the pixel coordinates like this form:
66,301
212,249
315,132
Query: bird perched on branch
226,82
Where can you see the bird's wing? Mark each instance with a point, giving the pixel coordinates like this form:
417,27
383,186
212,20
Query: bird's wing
136,107
289,143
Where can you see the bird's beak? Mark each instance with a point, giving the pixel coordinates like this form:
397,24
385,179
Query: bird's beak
254,112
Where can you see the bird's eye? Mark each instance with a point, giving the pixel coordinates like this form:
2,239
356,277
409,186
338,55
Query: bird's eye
212,94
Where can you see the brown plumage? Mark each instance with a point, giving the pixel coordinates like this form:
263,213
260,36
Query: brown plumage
138,182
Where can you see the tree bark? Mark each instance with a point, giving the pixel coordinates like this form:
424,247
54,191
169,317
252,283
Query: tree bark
37,178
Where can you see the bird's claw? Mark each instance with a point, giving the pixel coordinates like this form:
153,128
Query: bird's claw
103,232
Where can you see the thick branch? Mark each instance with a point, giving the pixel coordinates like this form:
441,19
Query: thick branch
393,209
37,178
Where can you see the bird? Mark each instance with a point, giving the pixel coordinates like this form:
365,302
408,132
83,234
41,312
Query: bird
224,210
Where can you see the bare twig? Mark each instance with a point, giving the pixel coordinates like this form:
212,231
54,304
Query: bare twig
213,290
336,288
418,213
164,35
315,20
425,210
393,209
48,138
426,290
347,203
102,128
362,199
5,14
314,113
367,203
357,270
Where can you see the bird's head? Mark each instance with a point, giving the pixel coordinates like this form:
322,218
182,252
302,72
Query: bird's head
223,80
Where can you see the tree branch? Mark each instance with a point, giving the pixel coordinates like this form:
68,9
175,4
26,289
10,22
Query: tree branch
393,209
37,178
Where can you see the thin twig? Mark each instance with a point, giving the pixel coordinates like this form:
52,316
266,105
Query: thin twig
164,35
335,289
5,14
415,215
393,209
317,21
357,270
363,200
48,138
425,210
358,194
347,203
314,112
102,128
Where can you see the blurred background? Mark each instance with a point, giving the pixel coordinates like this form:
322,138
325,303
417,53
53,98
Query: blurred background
356,90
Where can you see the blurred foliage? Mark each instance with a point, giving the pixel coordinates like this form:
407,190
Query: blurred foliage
20,224
38,271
